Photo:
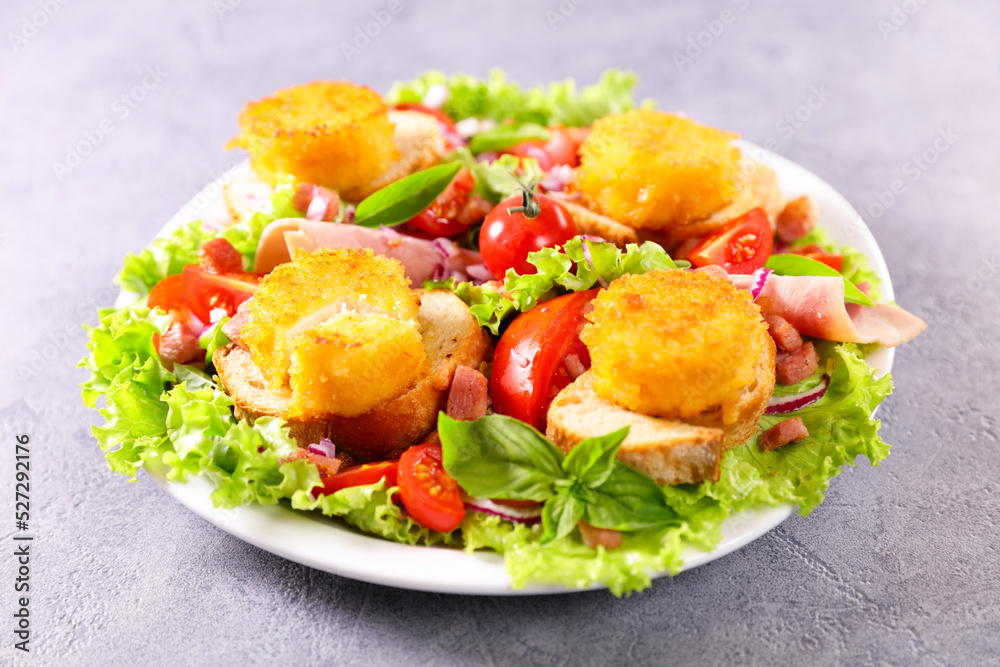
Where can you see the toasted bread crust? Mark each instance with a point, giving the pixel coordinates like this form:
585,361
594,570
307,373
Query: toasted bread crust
671,452
451,338
594,224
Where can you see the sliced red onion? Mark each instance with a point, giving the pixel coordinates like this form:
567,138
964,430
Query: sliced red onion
217,314
479,273
468,127
557,178
757,281
487,156
324,448
390,234
487,506
349,213
779,405
446,247
317,208
587,256
574,366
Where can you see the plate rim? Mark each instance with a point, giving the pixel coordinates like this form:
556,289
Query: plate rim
247,522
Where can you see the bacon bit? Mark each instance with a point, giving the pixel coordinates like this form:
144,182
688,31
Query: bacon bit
218,257
469,395
179,345
794,367
783,433
324,464
595,537
797,220
785,336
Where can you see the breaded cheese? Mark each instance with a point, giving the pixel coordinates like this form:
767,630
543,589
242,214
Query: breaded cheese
674,344
330,133
314,319
653,170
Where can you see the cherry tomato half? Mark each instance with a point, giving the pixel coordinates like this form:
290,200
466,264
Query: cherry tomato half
534,357
168,294
369,473
205,291
507,237
428,492
742,246
445,216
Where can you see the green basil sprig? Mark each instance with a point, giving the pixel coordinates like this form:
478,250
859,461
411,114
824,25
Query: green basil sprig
799,265
500,457
504,136
398,202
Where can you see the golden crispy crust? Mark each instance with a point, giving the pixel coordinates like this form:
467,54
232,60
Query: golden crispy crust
451,338
674,344
330,133
595,224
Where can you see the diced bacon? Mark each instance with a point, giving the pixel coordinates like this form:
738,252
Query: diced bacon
218,256
794,367
783,433
317,202
785,336
178,345
326,465
797,220
469,395
595,537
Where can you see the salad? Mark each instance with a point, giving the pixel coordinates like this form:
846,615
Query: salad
551,322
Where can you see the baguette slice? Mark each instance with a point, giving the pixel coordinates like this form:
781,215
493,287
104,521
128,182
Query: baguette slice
451,337
420,142
246,193
671,452
595,224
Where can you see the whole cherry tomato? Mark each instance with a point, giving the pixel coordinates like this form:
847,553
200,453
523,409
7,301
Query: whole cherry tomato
520,225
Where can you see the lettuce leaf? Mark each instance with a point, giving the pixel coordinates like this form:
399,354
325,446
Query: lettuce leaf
494,180
497,98
164,257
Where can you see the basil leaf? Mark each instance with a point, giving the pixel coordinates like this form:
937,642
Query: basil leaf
629,500
504,136
592,461
560,515
799,265
500,457
398,202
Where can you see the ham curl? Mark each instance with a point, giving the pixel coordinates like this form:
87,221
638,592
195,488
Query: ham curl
815,306
421,258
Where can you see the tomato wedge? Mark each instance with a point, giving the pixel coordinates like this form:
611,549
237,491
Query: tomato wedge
428,492
741,246
835,262
168,294
369,473
205,291
534,358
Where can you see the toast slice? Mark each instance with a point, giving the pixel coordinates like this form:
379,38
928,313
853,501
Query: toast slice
669,451
595,224
451,338
420,142
246,193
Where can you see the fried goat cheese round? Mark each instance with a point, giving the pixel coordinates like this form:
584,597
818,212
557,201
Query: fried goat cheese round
674,344
338,328
653,170
330,133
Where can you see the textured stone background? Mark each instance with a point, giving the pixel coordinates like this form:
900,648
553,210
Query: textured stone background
898,566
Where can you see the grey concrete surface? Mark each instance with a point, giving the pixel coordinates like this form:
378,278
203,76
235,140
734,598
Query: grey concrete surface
897,567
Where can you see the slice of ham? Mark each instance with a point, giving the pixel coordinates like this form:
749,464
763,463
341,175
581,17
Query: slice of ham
421,258
815,306
468,398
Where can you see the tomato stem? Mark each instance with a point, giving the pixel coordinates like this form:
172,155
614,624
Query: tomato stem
529,200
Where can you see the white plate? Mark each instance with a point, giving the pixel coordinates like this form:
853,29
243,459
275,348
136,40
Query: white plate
332,546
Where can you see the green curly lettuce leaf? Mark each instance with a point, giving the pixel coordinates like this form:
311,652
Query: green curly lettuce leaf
495,180
498,98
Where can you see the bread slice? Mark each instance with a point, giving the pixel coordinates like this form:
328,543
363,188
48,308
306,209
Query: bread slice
669,451
595,224
246,193
451,337
420,142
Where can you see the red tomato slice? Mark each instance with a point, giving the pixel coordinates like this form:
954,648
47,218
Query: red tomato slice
368,473
530,363
444,216
205,291
428,492
168,295
742,246
835,262
507,238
